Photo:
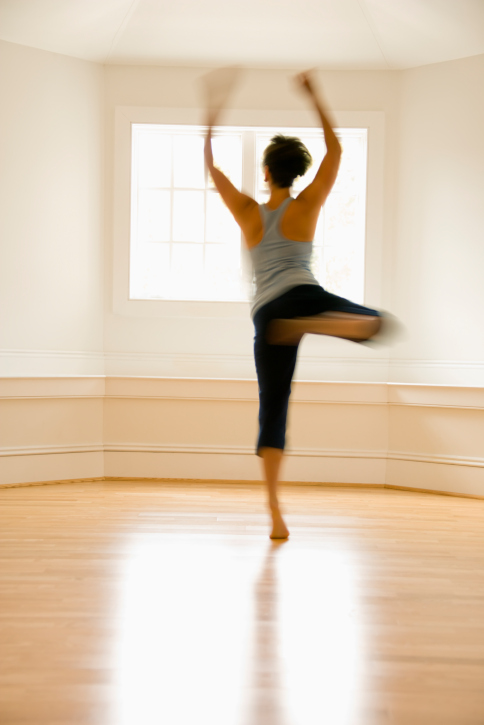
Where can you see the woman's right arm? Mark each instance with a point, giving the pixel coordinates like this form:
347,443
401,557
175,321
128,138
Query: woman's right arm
243,208
316,193
238,203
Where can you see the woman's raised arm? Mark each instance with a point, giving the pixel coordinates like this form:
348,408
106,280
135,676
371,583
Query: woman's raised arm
217,86
316,193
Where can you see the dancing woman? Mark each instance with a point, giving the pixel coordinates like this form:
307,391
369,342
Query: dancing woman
289,301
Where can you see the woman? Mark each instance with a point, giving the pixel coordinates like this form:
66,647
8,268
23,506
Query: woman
289,301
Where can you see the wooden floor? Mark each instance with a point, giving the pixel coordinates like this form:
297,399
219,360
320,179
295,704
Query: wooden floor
133,603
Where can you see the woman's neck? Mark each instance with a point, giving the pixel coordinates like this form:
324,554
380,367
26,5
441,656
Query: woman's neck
278,195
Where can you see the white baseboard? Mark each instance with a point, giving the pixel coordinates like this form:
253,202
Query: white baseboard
439,473
61,466
436,476
241,463
209,465
41,463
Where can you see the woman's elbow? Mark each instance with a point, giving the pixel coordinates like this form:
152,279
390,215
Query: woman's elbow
335,155
336,149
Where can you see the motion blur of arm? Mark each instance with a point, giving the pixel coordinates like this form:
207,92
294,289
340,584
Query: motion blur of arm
316,193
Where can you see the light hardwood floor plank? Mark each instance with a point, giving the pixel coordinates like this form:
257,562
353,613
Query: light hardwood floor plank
139,603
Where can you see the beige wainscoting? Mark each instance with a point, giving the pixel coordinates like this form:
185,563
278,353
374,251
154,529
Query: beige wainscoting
51,428
418,436
436,438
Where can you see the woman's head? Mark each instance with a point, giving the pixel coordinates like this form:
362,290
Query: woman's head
286,158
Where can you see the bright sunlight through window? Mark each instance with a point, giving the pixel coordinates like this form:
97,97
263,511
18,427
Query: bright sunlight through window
185,244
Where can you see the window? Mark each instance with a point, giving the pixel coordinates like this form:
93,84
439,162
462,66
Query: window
185,245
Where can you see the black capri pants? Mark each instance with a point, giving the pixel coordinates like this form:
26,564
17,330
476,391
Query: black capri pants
275,364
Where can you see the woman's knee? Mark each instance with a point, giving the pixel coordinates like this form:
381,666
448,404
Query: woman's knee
372,326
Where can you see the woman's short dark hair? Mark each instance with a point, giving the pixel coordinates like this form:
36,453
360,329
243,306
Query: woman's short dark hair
286,158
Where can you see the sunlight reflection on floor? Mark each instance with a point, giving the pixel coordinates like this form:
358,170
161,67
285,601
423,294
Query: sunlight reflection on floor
319,635
231,629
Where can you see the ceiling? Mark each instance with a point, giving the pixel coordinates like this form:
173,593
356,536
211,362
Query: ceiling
336,34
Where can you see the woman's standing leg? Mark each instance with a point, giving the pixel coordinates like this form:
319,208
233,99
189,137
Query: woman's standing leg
272,459
275,367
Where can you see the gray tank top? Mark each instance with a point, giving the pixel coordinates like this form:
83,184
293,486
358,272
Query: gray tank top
279,263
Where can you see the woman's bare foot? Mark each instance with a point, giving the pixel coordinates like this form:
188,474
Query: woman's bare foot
279,528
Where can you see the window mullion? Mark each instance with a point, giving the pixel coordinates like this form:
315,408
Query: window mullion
205,199
249,183
133,247
172,205
249,175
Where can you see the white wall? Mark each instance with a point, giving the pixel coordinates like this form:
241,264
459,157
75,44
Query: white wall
51,213
52,205
439,224
211,346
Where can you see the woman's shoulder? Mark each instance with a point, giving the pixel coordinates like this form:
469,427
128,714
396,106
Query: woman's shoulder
252,225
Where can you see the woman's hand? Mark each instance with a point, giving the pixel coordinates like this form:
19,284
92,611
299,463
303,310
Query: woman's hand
212,117
217,86
305,81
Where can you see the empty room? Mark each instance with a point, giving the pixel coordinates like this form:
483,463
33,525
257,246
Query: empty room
241,362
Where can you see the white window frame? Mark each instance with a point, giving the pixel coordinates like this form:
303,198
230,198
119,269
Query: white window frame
373,121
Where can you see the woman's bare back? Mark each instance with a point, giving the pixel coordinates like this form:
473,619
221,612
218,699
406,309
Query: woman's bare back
298,223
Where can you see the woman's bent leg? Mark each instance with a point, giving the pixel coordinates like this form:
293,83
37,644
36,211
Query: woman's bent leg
349,326
311,309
